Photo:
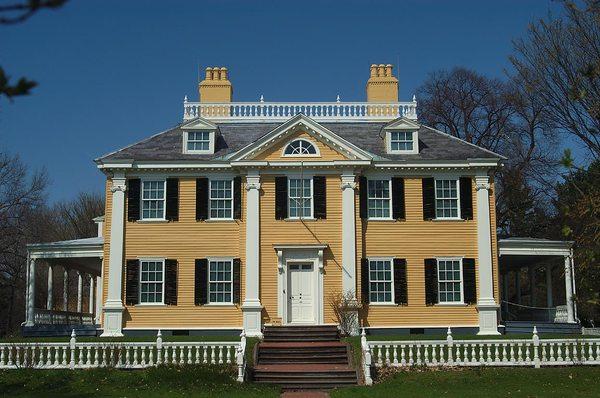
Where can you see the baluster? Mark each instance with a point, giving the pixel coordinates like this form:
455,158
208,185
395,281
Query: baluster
527,356
590,352
18,356
135,349
25,356
410,354
89,355
227,354
473,353
567,352
213,354
402,355
190,354
418,354
127,356
481,357
220,354
204,354
559,352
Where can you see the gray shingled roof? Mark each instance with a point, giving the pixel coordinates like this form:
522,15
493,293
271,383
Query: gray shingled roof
167,146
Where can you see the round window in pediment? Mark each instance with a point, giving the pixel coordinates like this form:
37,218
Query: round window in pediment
300,147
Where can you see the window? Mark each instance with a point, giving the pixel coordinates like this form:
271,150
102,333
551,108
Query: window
379,199
401,141
450,281
153,200
198,141
300,198
380,281
151,281
221,198
220,281
446,199
300,148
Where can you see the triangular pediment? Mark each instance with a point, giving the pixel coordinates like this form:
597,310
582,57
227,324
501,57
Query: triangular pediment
199,124
402,124
329,145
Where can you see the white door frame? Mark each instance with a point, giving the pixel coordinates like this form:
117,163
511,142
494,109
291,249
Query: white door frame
300,254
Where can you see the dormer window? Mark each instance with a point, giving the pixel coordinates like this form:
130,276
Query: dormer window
300,148
402,142
200,142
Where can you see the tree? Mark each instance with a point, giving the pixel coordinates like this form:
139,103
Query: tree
559,62
72,219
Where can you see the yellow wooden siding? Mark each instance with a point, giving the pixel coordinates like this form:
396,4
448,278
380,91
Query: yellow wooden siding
274,152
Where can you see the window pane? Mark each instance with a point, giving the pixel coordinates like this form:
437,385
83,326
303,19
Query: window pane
153,196
300,198
378,202
300,147
401,140
380,277
449,278
220,281
151,286
446,198
198,141
221,199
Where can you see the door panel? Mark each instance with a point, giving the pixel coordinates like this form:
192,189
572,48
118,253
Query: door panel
300,294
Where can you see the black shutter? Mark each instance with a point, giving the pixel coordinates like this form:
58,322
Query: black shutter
281,198
237,281
320,196
172,211
201,198
133,199
171,282
201,282
400,285
466,198
237,198
398,208
364,280
431,281
428,198
363,188
469,280
132,282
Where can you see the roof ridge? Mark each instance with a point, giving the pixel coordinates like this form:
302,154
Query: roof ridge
463,141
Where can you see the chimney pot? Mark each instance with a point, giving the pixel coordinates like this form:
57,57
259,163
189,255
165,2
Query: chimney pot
373,70
381,70
216,87
208,74
388,70
223,73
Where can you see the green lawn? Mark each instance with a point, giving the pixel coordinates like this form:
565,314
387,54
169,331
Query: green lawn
569,382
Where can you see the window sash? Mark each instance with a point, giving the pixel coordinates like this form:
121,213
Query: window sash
401,140
447,195
300,198
450,283
220,199
381,281
198,141
220,281
153,199
379,199
152,281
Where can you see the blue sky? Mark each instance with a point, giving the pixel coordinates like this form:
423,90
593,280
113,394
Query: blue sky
113,72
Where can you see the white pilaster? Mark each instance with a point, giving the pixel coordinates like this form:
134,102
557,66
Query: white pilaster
113,309
486,305
98,318
549,300
65,290
251,308
348,233
91,295
50,298
79,291
569,290
31,294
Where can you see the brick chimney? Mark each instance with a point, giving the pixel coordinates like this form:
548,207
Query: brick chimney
382,86
216,86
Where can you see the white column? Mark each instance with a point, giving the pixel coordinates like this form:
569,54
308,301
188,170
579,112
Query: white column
486,305
31,294
66,290
79,291
113,309
348,233
548,272
251,308
50,298
569,290
532,283
91,295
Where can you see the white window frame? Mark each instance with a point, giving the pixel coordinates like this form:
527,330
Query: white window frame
156,260
211,142
164,199
296,155
389,181
447,178
312,197
391,260
210,199
415,139
461,281
218,303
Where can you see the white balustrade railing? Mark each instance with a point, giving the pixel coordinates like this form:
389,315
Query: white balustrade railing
52,317
281,111
122,355
498,352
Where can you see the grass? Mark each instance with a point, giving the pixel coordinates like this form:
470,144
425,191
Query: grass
197,381
489,382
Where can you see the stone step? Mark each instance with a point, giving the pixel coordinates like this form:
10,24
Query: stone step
306,376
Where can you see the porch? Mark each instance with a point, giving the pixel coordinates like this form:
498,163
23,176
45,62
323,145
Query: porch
69,262
537,286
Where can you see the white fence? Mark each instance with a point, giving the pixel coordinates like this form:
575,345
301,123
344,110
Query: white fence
449,352
122,355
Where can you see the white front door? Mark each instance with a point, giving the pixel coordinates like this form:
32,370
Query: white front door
301,308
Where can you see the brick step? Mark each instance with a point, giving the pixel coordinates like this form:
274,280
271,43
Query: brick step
304,376
305,359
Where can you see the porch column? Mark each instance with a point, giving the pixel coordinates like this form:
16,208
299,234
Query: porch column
518,285
31,294
50,298
98,299
486,305
251,308
548,272
65,290
79,291
113,310
348,233
91,298
569,290
532,282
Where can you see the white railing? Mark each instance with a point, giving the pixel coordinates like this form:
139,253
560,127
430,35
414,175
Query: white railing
51,317
122,355
281,111
450,352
